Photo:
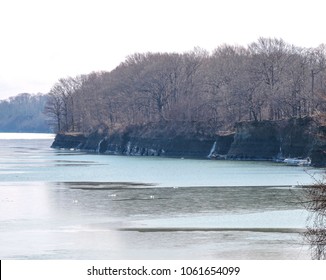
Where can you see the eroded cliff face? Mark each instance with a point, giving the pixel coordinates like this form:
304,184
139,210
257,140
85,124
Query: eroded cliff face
254,141
266,140
68,141
318,151
127,144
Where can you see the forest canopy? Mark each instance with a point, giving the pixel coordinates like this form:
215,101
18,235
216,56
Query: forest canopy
23,113
205,92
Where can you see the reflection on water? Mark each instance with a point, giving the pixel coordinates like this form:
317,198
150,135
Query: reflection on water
65,205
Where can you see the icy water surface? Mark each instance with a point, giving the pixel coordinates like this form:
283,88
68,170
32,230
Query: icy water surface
58,204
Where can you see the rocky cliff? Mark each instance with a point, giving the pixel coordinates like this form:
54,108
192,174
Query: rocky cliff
318,150
68,141
266,140
127,144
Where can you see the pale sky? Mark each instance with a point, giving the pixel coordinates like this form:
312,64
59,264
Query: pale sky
44,40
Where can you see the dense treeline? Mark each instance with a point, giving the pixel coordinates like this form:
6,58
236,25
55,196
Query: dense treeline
268,80
23,113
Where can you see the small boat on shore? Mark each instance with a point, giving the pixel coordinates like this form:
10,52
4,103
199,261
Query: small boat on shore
298,161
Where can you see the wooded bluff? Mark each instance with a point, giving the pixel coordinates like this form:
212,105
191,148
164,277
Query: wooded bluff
196,95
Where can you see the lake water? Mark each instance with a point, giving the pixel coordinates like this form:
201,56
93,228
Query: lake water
58,204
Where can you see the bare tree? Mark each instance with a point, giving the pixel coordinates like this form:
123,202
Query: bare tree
269,79
53,110
315,202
